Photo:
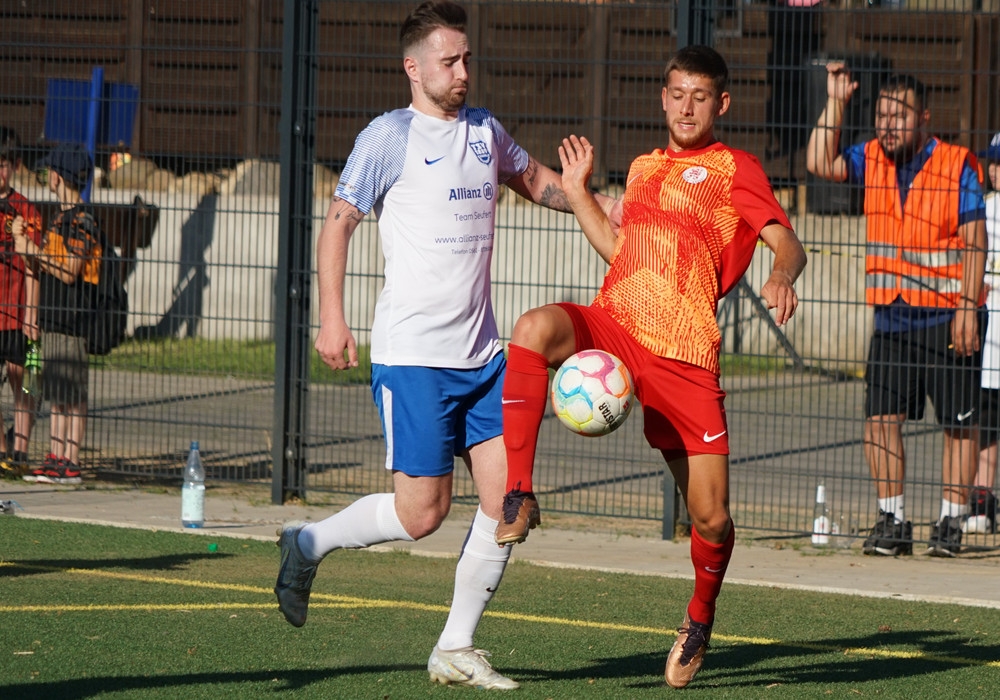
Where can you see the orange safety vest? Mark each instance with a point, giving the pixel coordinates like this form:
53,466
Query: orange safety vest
915,252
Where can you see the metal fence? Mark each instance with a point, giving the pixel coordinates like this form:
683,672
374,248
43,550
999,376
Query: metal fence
231,119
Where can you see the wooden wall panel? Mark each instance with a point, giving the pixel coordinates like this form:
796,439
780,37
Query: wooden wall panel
938,48
209,72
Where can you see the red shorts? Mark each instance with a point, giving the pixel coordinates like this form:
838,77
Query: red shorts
682,404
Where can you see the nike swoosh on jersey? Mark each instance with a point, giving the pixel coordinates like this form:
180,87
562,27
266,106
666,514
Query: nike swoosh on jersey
712,438
962,416
429,161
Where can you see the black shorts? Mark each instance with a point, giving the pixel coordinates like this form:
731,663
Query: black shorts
906,368
13,347
989,417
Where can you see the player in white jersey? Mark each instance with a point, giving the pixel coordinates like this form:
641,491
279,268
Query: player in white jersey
982,498
433,184
431,174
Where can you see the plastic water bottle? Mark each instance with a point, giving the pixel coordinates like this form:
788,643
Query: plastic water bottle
821,519
193,491
31,383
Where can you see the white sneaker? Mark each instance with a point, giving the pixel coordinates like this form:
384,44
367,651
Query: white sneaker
978,525
467,667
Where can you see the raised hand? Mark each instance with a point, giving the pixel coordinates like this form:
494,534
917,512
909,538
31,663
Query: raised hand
839,85
577,157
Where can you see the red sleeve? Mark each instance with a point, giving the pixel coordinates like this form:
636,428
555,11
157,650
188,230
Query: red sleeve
753,196
31,216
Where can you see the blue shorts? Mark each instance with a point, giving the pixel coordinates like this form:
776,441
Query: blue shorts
430,415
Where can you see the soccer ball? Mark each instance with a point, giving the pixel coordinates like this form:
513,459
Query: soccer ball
592,393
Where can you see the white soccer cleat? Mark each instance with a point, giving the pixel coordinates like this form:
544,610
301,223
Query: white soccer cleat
467,667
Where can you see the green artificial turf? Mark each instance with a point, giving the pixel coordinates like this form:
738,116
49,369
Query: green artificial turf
100,612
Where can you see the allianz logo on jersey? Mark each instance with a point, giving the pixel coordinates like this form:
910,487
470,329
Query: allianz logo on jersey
459,193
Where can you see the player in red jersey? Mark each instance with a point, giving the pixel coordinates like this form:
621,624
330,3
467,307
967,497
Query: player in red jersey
691,216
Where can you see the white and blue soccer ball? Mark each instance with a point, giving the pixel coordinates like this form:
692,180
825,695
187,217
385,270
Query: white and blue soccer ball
592,393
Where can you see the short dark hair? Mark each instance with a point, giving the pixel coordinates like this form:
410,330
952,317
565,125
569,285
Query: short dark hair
432,15
901,82
10,145
700,60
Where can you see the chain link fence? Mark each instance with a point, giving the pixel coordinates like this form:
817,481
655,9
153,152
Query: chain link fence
192,123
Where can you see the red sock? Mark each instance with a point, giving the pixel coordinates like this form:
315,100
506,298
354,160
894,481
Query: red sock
525,388
710,563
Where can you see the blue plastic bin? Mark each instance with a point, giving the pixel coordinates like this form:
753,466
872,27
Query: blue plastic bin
67,106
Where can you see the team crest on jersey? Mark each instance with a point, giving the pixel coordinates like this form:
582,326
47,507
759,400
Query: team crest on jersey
695,174
482,151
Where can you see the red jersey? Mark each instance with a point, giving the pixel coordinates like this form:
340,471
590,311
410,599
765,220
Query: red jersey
12,264
690,223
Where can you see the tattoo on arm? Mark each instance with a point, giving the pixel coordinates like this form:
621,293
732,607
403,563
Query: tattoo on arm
345,210
530,172
554,198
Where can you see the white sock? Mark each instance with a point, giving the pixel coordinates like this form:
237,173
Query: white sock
894,505
367,521
477,576
953,510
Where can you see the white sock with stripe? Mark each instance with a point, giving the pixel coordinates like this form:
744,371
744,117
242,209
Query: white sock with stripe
477,577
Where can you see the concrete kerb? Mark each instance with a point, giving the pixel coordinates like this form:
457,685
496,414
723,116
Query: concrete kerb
969,580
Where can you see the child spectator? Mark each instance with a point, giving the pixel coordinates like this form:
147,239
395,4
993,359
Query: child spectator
69,251
18,303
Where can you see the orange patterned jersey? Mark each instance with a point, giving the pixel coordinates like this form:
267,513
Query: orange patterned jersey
690,222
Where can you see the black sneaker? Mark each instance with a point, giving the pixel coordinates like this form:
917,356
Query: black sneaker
983,519
946,538
889,537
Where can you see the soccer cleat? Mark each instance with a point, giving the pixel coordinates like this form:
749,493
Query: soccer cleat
295,576
946,537
687,653
467,667
983,518
520,514
889,537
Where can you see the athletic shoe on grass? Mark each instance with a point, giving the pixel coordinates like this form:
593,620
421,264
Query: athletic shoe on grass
295,577
687,653
467,667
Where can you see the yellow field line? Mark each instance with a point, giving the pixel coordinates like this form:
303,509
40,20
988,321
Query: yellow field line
349,602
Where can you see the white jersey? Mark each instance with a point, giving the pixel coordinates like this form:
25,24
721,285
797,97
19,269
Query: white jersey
433,186
991,350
